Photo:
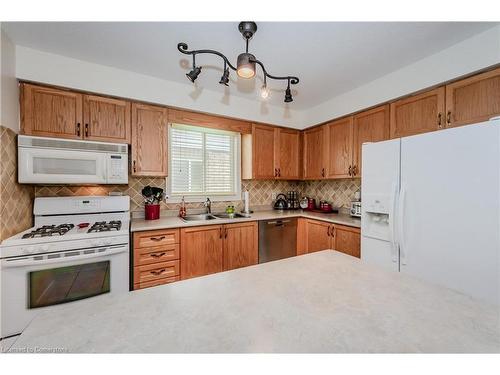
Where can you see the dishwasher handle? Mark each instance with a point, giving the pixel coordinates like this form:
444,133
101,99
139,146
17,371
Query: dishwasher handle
278,223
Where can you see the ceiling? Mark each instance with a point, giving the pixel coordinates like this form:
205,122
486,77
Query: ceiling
329,58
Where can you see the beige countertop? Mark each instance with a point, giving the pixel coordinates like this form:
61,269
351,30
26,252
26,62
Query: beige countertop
320,302
140,224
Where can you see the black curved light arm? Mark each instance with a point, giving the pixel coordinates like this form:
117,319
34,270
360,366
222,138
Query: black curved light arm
183,48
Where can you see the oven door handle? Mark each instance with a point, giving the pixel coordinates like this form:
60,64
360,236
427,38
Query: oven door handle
30,259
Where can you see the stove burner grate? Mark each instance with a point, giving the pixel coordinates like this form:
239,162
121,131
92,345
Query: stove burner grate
49,230
102,226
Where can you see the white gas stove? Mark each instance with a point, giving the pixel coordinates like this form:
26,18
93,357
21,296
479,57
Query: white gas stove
78,248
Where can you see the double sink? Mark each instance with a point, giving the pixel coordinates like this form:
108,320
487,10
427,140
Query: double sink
208,217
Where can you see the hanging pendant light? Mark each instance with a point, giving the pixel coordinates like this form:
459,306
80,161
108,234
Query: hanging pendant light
245,65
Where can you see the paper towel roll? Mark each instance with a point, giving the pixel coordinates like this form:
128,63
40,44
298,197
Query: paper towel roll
246,198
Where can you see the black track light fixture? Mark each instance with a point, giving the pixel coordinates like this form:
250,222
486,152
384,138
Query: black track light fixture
288,94
195,72
246,63
224,80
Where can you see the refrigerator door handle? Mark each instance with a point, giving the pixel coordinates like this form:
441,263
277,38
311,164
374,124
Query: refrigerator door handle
392,223
401,226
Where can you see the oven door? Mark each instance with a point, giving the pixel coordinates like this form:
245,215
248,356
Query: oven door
58,166
40,282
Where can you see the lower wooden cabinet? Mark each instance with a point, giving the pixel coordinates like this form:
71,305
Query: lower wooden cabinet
316,235
241,245
156,258
215,248
347,240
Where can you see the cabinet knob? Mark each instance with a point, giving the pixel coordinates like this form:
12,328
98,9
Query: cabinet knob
350,171
133,166
448,118
86,130
328,231
323,172
440,115
78,130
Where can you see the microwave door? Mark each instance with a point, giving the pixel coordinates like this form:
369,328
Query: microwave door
56,166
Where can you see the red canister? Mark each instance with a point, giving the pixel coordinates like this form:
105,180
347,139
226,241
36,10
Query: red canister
311,203
151,211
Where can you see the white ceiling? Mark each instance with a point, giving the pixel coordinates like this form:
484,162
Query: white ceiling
329,58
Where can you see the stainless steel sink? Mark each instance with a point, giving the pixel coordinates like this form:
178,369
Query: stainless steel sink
199,217
223,215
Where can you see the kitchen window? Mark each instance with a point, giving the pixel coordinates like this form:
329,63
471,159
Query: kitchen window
203,162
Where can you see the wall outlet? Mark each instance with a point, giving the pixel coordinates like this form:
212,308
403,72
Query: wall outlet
273,196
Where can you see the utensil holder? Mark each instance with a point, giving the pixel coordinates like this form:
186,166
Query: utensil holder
151,211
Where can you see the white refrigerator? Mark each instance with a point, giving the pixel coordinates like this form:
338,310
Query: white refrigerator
431,207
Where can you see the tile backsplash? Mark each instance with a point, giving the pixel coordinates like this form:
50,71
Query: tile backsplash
339,192
16,200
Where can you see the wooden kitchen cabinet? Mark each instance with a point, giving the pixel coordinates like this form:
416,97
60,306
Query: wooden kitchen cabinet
106,119
316,235
339,156
347,240
287,154
50,112
263,146
473,99
314,153
241,245
368,126
156,258
149,140
201,251
215,248
419,113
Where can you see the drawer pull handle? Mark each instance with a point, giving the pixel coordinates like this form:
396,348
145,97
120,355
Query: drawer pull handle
157,238
159,272
156,255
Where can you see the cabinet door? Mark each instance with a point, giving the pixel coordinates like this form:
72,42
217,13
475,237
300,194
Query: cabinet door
473,99
149,140
49,112
314,153
241,245
418,114
287,154
106,119
201,251
340,148
347,240
318,235
368,126
263,145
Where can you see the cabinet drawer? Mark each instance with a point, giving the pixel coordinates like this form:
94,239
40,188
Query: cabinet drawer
149,255
156,271
148,284
154,238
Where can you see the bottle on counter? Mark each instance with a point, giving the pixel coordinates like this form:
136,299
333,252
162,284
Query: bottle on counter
182,209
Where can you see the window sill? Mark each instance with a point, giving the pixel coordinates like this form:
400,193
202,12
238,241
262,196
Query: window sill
200,199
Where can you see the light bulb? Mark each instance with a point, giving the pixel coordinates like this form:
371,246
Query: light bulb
264,92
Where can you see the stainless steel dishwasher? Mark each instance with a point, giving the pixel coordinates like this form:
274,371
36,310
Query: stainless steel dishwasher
277,239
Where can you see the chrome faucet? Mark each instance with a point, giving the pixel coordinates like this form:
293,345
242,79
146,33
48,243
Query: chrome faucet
208,205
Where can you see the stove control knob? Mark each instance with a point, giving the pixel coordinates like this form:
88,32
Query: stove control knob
107,242
44,247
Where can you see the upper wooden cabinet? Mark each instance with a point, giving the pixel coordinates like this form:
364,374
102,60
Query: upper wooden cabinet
263,145
418,114
241,245
106,119
347,240
368,126
287,153
50,112
149,140
275,153
314,153
473,99
339,154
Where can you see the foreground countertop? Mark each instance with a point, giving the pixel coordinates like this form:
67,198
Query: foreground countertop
320,302
140,224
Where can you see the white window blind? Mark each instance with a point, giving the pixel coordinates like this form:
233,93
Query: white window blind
203,161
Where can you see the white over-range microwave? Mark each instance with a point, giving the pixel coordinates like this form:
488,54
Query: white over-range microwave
63,161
